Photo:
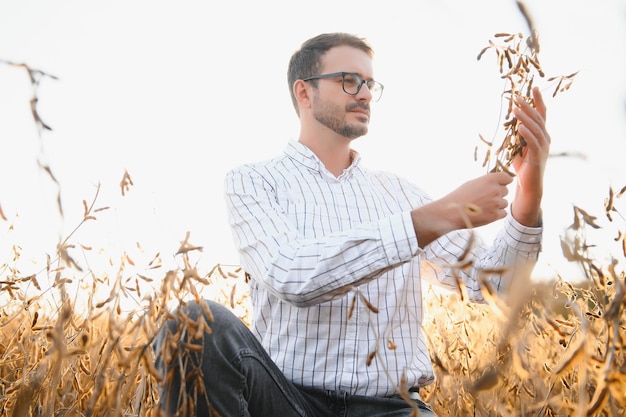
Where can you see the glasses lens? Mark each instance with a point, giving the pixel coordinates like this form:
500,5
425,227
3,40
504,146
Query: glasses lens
351,83
376,89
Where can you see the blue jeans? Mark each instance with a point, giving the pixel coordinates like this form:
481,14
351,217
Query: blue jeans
230,373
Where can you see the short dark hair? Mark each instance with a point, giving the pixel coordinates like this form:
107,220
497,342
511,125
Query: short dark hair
306,61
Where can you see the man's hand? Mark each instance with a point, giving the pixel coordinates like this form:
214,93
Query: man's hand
479,201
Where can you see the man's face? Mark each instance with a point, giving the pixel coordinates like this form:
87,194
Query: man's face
344,114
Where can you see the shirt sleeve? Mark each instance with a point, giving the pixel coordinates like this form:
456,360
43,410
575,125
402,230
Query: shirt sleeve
308,271
462,262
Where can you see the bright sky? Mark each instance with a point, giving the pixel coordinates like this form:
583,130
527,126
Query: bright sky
179,92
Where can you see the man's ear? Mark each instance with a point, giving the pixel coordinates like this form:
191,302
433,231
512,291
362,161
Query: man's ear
302,91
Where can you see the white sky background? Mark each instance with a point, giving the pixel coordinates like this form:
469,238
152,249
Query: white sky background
179,92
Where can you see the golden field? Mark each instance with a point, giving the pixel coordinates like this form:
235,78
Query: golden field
70,345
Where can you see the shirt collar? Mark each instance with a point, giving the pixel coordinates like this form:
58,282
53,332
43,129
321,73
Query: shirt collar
305,156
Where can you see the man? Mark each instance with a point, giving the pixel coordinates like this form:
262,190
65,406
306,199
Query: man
336,255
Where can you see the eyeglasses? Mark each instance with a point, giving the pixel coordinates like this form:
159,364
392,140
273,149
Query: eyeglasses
352,83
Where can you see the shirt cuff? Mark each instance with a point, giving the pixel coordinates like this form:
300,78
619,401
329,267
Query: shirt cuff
520,237
398,238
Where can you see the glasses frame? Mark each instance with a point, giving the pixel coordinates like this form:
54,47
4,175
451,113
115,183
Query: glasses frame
342,74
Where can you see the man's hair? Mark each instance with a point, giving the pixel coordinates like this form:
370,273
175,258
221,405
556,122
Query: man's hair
306,61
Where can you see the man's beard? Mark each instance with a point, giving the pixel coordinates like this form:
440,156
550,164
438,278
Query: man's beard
333,117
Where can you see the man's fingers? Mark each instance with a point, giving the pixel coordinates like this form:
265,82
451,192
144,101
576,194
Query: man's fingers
540,105
502,178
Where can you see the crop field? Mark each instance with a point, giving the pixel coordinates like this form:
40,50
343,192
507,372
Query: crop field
75,343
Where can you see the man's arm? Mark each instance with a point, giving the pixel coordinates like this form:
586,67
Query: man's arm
530,165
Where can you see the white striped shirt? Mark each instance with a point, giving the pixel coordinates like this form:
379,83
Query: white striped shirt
308,239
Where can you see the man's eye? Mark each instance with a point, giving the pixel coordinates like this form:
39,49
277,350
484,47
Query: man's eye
349,79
